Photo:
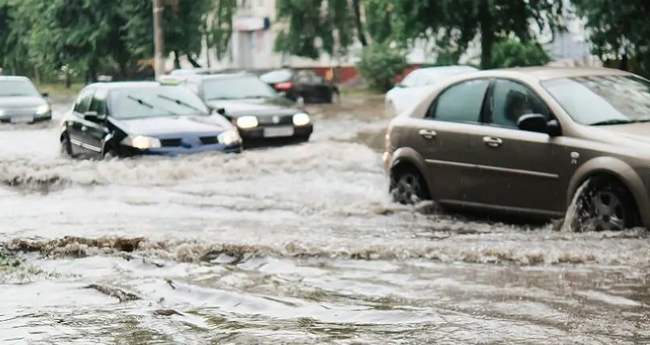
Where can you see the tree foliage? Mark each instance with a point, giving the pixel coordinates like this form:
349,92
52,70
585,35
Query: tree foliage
94,35
618,28
313,26
514,53
379,64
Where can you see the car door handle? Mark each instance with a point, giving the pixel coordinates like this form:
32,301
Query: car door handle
492,141
427,134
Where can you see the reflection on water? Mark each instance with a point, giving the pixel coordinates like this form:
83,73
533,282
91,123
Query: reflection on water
291,245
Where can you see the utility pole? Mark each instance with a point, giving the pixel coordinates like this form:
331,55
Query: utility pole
159,40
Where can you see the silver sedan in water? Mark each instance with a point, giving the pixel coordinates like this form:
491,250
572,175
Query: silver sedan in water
20,102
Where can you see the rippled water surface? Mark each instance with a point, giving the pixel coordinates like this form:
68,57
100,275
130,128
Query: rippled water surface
291,245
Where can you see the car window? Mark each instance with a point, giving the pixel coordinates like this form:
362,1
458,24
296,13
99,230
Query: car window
511,99
17,88
411,80
237,87
83,101
278,76
460,102
98,102
155,101
605,99
304,77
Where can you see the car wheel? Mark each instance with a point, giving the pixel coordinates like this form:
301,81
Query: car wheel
109,154
408,187
335,97
66,146
604,205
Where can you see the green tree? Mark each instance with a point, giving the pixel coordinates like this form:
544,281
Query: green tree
379,64
513,53
618,28
465,20
311,21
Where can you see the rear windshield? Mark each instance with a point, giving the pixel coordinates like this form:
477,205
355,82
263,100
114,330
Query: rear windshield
236,87
155,101
278,76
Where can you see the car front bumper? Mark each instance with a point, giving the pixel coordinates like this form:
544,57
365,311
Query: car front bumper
275,133
34,118
128,151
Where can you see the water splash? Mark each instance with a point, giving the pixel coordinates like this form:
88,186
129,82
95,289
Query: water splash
573,210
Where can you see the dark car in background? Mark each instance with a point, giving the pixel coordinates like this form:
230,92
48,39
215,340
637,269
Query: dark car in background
302,86
143,118
20,102
261,115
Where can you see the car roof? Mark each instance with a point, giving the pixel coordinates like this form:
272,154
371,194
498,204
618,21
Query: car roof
223,75
453,68
124,85
541,73
14,77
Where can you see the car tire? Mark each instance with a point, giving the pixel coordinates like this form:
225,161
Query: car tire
109,154
66,146
604,205
407,186
335,97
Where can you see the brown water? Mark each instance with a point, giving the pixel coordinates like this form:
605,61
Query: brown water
291,245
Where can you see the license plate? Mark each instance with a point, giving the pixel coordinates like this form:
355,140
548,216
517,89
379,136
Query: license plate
272,132
22,119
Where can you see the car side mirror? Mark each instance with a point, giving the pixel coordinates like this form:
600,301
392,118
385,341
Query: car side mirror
93,116
533,123
45,94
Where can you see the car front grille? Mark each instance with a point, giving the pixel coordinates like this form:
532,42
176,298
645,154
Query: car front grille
19,112
170,142
268,120
209,140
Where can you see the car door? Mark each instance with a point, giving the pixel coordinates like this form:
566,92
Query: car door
521,168
94,131
447,139
74,123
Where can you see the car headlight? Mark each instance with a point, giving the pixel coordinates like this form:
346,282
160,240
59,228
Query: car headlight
141,142
228,137
300,119
247,122
43,109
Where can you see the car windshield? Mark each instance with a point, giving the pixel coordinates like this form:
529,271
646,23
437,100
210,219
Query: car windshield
602,100
237,87
17,88
155,101
276,76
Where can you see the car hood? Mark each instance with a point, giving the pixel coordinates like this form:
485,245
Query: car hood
23,101
638,132
257,107
161,126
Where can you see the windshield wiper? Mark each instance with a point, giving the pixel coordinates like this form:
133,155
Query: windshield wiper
148,105
178,101
220,98
611,122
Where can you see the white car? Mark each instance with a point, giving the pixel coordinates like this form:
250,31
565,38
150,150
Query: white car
409,90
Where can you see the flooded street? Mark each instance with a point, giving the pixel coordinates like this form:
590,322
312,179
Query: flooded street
290,245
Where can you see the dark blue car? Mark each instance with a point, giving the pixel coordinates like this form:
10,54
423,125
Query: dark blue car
126,119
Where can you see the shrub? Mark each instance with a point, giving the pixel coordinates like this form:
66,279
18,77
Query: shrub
513,53
379,65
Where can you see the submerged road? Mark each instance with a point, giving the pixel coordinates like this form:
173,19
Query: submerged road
291,245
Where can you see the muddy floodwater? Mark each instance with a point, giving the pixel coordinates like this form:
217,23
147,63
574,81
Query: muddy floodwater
291,245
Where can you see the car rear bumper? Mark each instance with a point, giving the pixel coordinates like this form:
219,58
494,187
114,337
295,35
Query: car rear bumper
274,133
176,151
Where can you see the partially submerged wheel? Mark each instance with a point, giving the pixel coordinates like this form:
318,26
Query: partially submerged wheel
408,186
604,205
66,147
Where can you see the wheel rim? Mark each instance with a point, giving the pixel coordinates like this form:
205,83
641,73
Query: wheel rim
605,212
407,189
300,101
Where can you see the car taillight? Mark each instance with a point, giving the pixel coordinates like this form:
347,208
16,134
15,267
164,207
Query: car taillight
283,86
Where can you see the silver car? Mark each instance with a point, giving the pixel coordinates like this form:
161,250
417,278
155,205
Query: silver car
20,102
